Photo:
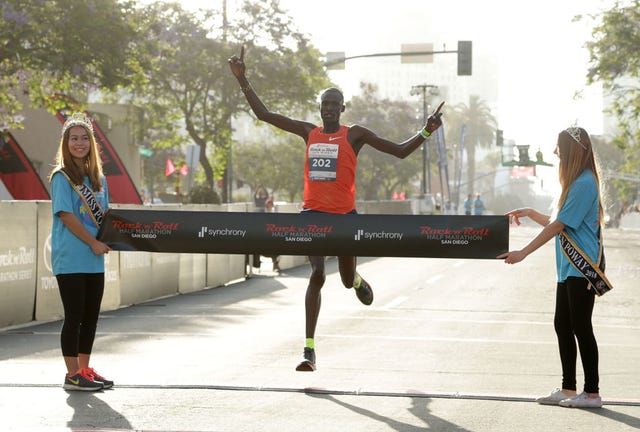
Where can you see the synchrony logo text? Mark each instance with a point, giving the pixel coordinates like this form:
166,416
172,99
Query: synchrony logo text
221,232
379,235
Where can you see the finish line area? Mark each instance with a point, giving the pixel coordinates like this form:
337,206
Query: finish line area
330,391
373,235
449,344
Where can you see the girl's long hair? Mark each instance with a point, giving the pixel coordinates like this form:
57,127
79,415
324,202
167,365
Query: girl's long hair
92,163
575,158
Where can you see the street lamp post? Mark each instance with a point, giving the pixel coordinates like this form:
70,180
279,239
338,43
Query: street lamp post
421,89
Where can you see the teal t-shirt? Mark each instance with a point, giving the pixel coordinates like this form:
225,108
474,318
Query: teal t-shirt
69,254
580,215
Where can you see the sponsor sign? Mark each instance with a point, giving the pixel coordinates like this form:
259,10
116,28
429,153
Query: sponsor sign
306,234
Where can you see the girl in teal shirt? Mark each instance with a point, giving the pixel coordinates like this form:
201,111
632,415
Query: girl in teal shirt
579,214
79,196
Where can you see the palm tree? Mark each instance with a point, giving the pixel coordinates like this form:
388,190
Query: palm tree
480,126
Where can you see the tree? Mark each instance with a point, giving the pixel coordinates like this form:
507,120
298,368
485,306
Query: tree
70,46
185,84
203,194
380,174
618,195
480,126
615,62
276,163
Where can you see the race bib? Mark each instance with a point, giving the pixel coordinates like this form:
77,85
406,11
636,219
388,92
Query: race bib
323,161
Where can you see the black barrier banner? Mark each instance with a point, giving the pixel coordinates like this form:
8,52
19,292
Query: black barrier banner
306,234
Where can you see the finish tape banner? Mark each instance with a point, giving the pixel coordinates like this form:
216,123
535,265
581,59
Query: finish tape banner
306,234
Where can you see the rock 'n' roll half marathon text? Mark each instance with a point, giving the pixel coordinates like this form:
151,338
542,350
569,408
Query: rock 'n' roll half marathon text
454,236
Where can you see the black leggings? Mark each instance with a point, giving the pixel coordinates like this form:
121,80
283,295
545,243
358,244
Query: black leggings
81,295
574,305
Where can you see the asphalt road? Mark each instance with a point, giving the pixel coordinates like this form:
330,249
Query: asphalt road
448,345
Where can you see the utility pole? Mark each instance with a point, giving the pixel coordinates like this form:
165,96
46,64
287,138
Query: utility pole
421,89
227,176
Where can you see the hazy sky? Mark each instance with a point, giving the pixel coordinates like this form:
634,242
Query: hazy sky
542,62
540,53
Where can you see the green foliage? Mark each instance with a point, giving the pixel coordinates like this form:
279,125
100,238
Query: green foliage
168,62
277,163
380,174
284,67
60,46
615,63
185,84
610,159
203,194
614,48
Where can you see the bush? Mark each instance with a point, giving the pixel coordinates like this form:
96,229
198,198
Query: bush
203,194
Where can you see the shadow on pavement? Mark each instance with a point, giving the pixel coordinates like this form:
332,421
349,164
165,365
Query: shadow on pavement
217,304
617,416
91,411
418,408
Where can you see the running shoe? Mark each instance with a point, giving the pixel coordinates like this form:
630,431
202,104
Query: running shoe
81,381
308,363
107,384
364,292
553,398
582,401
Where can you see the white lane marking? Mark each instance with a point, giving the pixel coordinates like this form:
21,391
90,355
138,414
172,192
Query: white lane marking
434,279
409,393
395,302
166,335
461,340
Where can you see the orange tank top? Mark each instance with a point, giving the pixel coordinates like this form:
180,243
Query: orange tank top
330,172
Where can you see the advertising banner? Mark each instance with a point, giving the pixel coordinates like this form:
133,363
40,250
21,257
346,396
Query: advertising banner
426,236
18,262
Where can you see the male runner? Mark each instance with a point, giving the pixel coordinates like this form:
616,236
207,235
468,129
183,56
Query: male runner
329,181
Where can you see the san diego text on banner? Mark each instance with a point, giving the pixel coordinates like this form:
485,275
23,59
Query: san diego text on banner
426,236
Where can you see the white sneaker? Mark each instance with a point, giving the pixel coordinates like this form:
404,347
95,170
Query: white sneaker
553,398
582,401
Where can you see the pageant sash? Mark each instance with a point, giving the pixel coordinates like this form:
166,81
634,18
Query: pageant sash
89,199
593,272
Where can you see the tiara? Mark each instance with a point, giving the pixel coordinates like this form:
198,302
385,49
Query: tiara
574,131
77,119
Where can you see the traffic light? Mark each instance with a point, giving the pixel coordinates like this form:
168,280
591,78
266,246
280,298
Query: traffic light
523,155
499,138
464,57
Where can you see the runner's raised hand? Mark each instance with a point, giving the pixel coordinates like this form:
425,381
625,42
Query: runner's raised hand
237,64
434,121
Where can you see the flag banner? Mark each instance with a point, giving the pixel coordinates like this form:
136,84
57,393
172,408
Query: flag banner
17,173
122,190
306,234
169,168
